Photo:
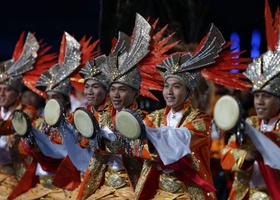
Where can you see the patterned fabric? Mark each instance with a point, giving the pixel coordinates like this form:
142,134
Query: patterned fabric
10,174
232,158
99,180
198,123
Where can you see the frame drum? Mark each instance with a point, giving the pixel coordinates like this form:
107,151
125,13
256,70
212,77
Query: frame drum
85,122
226,113
130,124
53,112
21,122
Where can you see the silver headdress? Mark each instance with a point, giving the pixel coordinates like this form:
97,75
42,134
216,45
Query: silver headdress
187,67
57,77
120,66
91,70
11,71
264,72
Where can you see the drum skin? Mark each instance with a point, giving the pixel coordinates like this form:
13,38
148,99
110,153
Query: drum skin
226,113
85,122
52,112
20,122
130,124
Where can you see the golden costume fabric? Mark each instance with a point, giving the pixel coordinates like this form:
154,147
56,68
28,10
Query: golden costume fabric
40,186
100,181
198,123
232,159
11,173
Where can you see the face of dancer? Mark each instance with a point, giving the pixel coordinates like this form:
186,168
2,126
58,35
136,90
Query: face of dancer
8,96
31,98
122,95
267,105
57,96
175,93
95,93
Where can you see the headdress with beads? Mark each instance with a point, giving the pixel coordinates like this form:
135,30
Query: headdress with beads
57,78
91,70
23,59
264,71
211,60
187,67
121,66
159,46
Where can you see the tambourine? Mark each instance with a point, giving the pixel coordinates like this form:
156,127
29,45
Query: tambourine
21,122
130,124
228,115
53,112
86,123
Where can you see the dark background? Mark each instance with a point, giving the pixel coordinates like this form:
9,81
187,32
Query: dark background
102,20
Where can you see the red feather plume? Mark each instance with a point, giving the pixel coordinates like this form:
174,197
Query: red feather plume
272,27
62,50
151,79
18,47
220,72
43,62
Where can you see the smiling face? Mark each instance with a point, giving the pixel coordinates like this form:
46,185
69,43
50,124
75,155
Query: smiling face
267,105
95,93
122,95
8,96
175,93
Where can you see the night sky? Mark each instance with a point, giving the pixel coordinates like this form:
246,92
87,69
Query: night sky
49,19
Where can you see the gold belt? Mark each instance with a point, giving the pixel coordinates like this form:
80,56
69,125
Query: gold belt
116,179
46,181
169,183
257,194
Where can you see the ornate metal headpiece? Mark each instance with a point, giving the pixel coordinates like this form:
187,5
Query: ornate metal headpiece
187,67
57,77
120,65
92,70
11,71
264,71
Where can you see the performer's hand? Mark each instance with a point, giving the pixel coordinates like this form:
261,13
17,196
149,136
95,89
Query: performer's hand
251,156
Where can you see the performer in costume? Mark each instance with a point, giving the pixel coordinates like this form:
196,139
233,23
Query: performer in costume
123,75
14,160
78,146
47,149
256,174
123,67
180,164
